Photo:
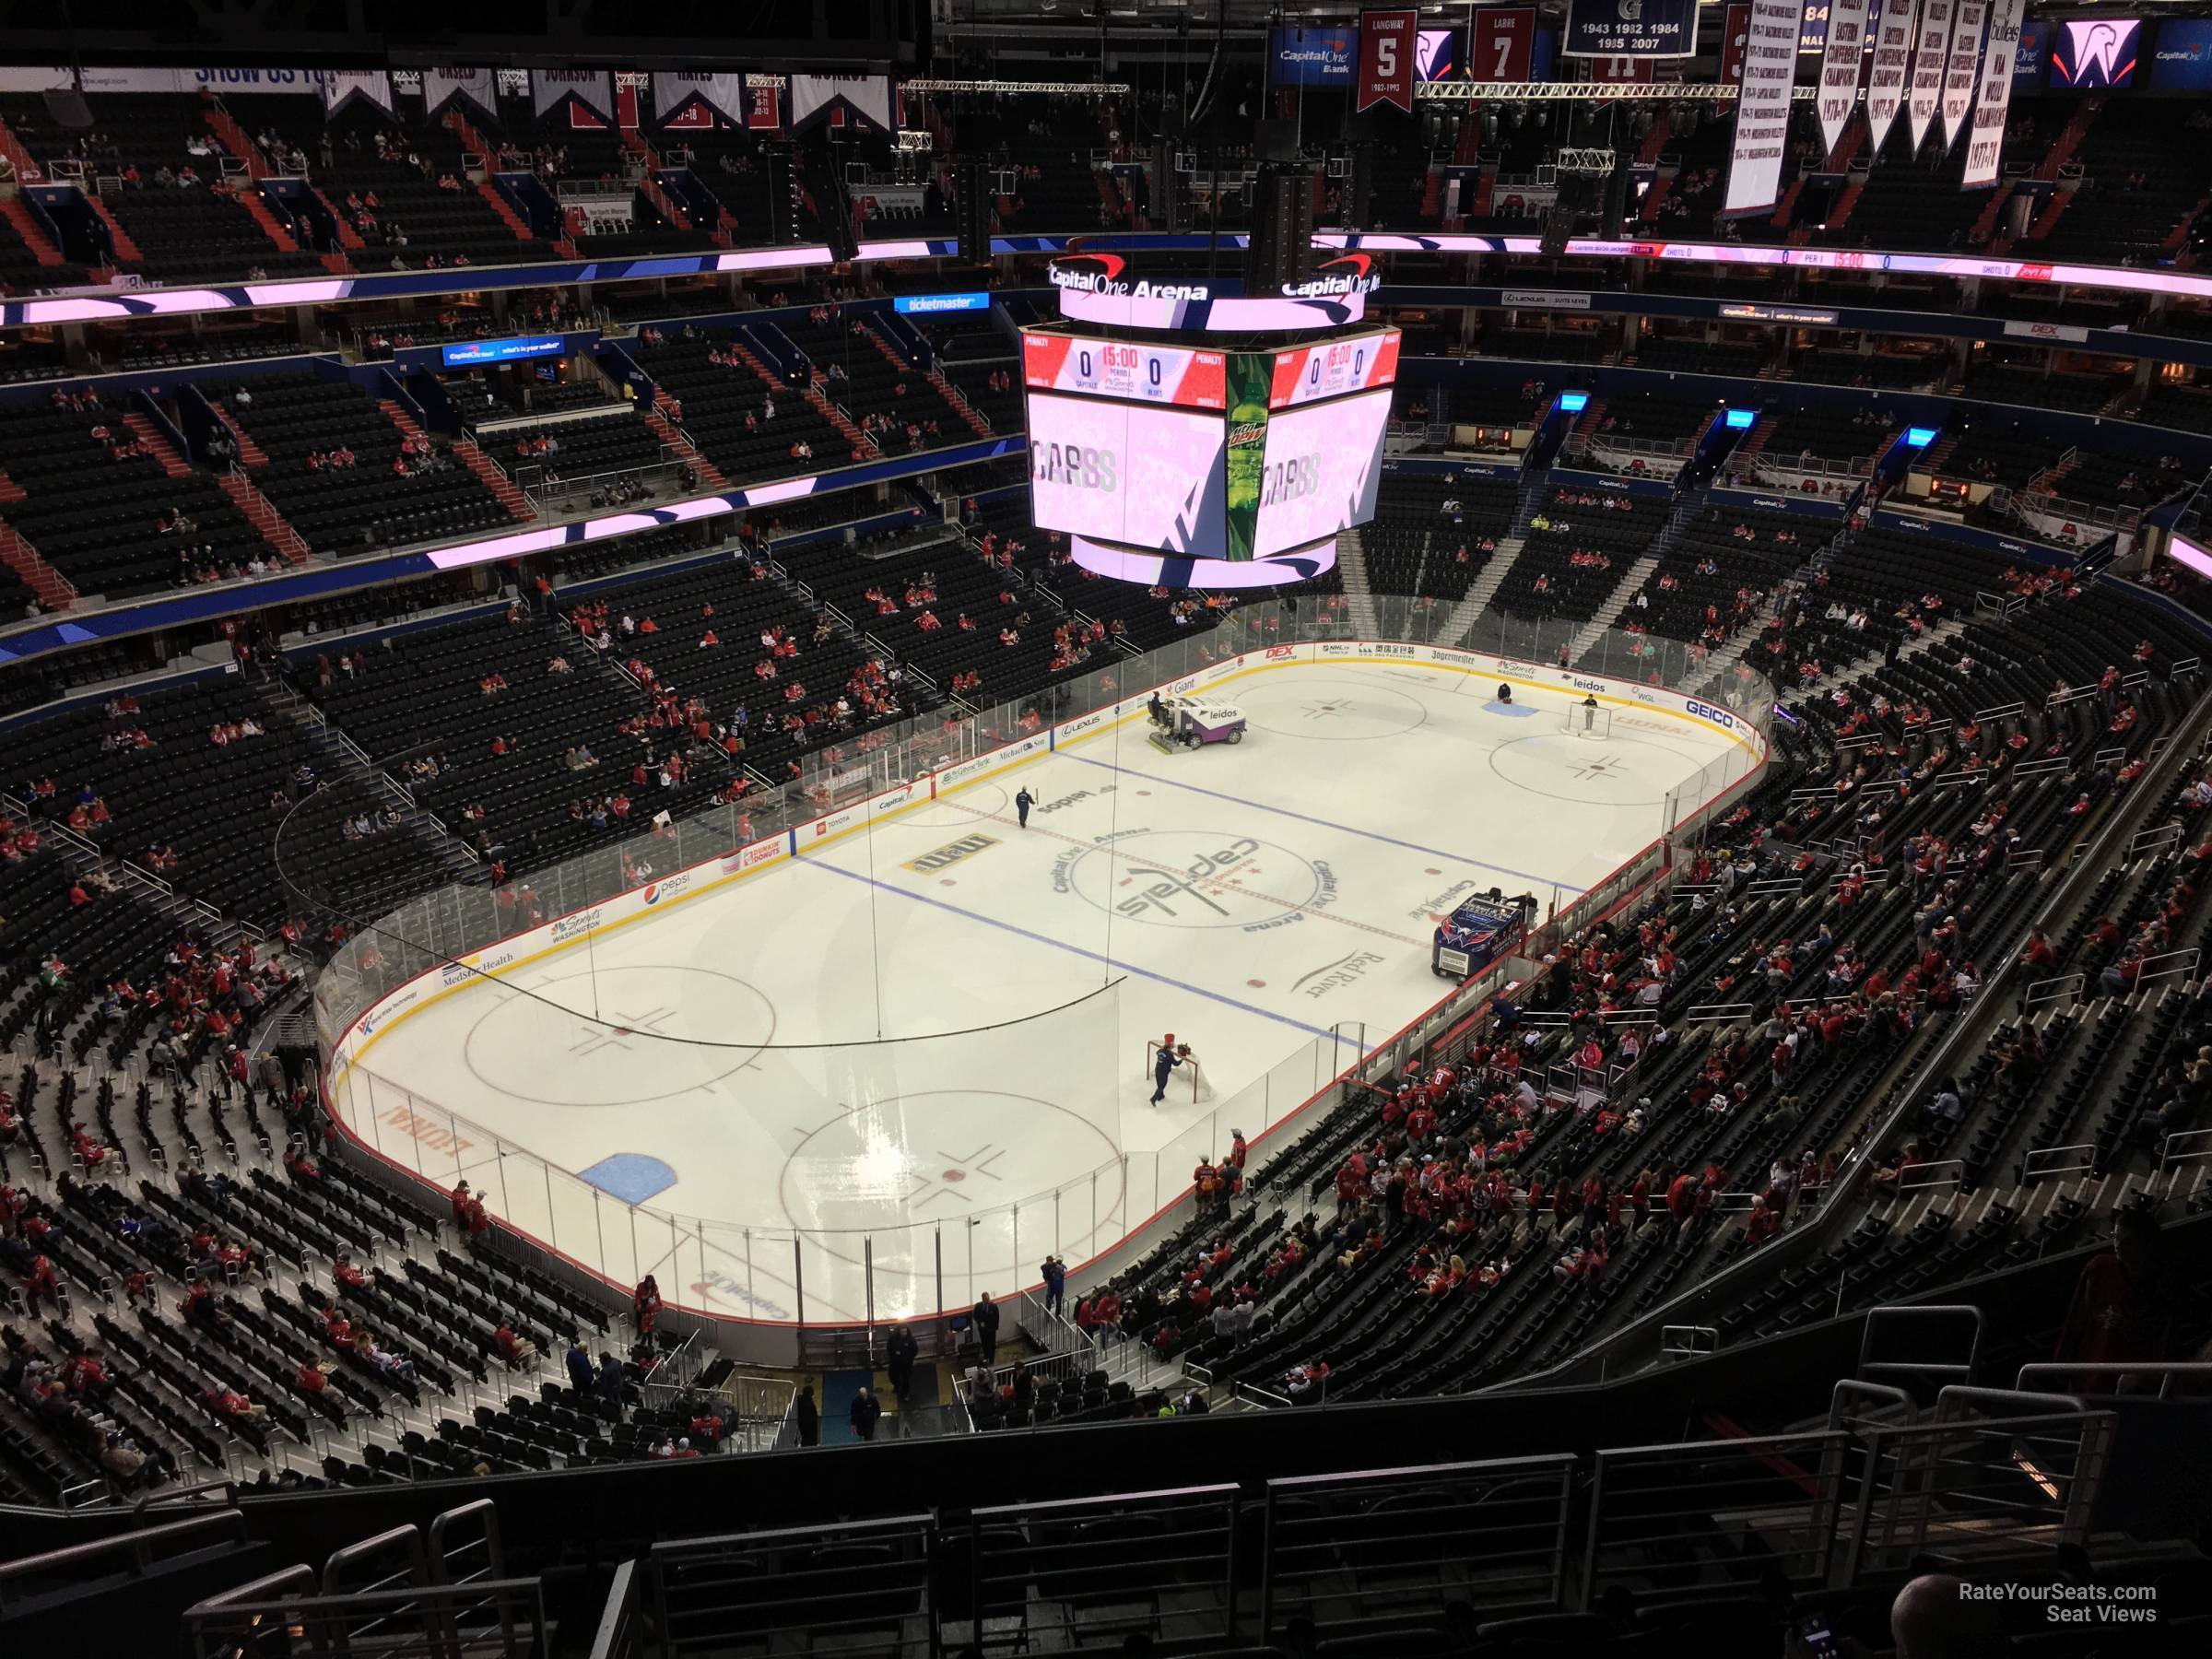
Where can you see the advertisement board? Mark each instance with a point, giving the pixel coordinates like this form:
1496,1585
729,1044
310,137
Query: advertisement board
1147,477
2033,46
465,354
2180,62
1312,57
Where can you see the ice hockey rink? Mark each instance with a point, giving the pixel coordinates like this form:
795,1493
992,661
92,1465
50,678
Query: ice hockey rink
919,1049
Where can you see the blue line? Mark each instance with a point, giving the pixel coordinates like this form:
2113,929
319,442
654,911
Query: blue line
1387,841
1296,1025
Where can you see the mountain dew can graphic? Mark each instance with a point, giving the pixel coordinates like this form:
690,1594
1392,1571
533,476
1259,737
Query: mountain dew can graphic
1251,379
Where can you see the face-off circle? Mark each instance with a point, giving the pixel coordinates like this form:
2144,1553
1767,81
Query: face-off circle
1338,708
549,1049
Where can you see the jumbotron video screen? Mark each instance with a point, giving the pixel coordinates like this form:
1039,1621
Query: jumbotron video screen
1215,468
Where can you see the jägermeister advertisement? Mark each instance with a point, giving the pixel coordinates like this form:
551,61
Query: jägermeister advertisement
1250,380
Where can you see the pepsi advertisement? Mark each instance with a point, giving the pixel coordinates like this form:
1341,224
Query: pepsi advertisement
2182,59
1325,57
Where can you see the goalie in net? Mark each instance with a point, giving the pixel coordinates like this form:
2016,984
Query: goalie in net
1174,1072
1589,718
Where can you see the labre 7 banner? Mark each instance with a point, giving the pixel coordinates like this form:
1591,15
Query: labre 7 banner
1389,56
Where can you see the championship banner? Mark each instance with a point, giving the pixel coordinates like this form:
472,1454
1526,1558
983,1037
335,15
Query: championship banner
1734,33
1389,51
1965,64
1762,109
343,86
1924,93
1505,45
1840,60
440,87
593,89
1985,138
1892,58
1642,29
866,95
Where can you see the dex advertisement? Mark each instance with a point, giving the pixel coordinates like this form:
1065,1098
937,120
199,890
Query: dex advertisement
1320,470
1120,473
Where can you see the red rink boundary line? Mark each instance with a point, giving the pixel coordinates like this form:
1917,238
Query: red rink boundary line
1565,918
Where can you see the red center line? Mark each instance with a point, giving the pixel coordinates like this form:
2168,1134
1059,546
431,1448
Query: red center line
1114,853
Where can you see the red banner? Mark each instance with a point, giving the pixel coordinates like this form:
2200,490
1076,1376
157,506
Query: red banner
1620,71
1733,38
1389,58
1505,45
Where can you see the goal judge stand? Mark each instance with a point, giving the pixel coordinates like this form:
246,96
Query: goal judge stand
1589,719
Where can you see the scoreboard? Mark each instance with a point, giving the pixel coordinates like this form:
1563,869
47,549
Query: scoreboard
1334,369
1184,376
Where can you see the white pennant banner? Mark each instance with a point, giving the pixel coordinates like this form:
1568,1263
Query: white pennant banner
1923,94
1964,65
1839,68
1985,137
1892,59
593,89
1762,108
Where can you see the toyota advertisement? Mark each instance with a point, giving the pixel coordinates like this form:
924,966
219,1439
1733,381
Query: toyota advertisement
1320,469
1147,477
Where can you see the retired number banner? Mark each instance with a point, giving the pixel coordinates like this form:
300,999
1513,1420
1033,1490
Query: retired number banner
1389,54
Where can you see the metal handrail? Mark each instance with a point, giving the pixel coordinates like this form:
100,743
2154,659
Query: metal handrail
2165,1370
135,1542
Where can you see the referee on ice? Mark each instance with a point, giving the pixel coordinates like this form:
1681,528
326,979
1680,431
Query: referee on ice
1023,801
1589,711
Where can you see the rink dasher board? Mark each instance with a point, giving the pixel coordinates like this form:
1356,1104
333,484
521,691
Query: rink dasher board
534,945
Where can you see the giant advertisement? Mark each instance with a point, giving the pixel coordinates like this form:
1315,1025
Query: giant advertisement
1142,373
1312,57
1322,465
1647,29
1122,472
1251,389
2182,60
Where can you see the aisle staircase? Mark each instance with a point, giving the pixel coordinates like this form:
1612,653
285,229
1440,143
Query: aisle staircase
1358,593
1586,638
125,249
263,512
26,222
158,444
669,433
488,472
250,453
54,590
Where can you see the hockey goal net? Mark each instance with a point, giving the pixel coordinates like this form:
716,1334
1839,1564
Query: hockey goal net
1584,720
1187,1083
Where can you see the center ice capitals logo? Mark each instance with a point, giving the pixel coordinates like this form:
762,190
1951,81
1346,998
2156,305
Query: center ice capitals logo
1108,274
